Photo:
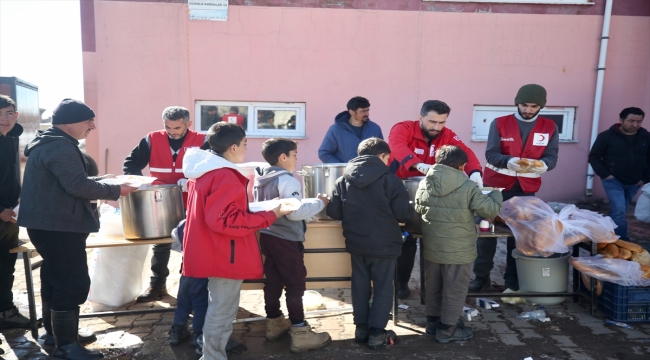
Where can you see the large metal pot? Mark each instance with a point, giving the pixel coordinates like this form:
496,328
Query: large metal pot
152,212
249,170
412,186
321,179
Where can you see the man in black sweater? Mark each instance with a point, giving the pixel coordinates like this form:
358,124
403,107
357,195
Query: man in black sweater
620,156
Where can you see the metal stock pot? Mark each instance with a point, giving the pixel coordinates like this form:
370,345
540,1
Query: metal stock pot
152,212
249,170
411,185
321,179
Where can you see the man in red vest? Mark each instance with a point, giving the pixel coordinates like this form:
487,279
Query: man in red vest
233,117
523,135
413,144
163,151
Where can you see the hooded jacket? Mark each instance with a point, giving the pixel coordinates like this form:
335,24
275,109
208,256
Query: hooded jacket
56,190
341,142
371,202
611,154
10,168
219,237
447,200
277,182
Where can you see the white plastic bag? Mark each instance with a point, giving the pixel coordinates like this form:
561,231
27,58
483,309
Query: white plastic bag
617,271
110,221
642,210
117,276
580,225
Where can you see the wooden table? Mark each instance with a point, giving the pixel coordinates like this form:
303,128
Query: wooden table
93,241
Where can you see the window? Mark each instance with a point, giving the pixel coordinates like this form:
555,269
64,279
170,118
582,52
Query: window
556,2
483,116
259,119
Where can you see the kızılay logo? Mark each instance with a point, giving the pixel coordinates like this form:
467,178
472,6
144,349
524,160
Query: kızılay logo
507,139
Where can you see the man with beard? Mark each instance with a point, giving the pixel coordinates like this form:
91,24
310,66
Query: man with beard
523,135
414,144
350,128
163,151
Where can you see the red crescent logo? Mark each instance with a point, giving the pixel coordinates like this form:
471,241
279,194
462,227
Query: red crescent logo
543,137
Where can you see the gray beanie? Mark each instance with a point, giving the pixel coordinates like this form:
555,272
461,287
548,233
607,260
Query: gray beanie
531,93
71,111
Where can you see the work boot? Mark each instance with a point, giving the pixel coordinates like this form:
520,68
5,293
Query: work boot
303,338
65,327
447,333
277,327
195,337
12,318
48,338
361,333
434,321
403,291
382,340
178,333
479,284
152,293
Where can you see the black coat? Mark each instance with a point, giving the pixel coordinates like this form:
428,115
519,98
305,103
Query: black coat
10,168
371,202
611,154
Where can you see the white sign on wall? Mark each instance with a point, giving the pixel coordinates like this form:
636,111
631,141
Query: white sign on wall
213,10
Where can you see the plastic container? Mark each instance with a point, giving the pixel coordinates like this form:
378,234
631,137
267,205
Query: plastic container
625,303
532,315
543,275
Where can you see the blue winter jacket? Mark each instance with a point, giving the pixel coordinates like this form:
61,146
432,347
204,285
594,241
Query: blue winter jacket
341,142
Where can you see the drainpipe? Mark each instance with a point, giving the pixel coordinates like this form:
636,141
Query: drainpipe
599,89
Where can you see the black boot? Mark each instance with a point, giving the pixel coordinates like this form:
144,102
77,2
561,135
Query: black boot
48,337
152,293
65,327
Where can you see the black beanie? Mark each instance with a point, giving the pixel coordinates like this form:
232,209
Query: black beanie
531,93
71,111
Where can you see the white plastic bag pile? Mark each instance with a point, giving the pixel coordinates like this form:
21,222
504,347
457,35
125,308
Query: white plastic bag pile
642,210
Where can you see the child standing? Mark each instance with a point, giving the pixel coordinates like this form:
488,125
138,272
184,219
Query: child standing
447,200
371,202
281,243
220,242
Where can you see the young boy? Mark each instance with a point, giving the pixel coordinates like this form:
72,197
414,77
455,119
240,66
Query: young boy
220,242
447,200
376,201
281,243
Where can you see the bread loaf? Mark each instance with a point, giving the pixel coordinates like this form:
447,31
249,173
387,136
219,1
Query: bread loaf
612,250
605,253
601,245
628,245
624,254
642,257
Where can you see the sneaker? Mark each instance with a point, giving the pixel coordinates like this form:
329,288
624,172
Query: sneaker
453,333
403,291
12,318
178,333
383,340
434,321
152,293
361,333
479,284
276,327
304,338
194,338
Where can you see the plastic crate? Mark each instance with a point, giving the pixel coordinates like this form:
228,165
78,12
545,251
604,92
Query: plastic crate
625,303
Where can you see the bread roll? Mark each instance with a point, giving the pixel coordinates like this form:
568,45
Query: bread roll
605,253
612,250
538,164
624,254
628,245
601,245
642,258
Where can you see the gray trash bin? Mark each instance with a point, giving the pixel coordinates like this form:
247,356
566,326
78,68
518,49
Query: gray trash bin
543,275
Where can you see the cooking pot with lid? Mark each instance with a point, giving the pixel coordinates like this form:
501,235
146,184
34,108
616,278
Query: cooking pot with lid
411,184
321,179
152,212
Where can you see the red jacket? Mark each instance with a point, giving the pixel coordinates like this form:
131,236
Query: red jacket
219,238
408,147
511,145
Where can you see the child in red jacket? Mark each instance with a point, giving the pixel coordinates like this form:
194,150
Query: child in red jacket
220,241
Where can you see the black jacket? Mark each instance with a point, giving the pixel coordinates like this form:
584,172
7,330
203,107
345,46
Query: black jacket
611,154
371,202
10,168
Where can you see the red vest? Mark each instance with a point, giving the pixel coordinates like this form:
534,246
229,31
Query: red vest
161,162
511,145
233,119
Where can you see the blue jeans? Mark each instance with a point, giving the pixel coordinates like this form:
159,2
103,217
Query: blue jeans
620,196
192,295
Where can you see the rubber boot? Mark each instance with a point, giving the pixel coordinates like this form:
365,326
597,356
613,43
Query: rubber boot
303,338
65,327
48,338
276,327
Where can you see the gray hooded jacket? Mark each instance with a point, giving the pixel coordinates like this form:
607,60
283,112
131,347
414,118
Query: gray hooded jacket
277,182
56,190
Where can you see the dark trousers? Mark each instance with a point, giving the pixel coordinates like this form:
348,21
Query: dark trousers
406,260
192,295
8,240
380,271
446,290
487,247
159,262
284,268
64,274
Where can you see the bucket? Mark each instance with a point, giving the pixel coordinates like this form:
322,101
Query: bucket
543,275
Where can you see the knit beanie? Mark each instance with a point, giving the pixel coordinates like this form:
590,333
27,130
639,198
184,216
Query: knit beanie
71,111
531,93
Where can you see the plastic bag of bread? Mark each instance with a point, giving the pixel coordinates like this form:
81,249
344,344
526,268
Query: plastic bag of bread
535,226
580,225
618,271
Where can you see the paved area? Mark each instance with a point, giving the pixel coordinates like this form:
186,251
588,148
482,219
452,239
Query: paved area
572,332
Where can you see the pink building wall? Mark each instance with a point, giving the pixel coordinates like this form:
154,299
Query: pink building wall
148,55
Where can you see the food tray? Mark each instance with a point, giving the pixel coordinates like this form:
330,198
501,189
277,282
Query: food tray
625,303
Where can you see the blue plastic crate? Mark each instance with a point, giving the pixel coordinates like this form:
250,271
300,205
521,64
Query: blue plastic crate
625,303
